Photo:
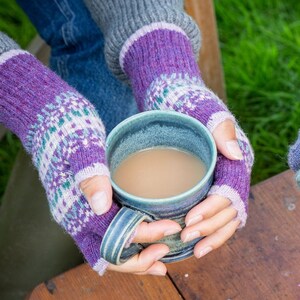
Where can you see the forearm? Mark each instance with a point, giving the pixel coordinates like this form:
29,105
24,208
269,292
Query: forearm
120,19
26,88
63,133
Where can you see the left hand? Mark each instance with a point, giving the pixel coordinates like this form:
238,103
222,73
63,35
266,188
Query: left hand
215,217
225,209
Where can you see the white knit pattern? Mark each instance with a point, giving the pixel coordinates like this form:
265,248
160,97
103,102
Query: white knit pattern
218,118
91,171
10,54
100,266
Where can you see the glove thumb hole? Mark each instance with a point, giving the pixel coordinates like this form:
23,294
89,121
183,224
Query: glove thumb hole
226,140
98,192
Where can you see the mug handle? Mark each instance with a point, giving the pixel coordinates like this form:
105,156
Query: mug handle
113,244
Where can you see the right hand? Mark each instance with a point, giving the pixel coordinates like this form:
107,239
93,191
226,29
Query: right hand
146,262
63,133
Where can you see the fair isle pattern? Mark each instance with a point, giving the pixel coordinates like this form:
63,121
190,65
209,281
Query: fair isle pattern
64,127
183,93
68,119
245,147
62,132
143,31
188,95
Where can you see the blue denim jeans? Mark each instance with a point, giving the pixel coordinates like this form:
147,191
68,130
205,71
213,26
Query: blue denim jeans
33,248
77,55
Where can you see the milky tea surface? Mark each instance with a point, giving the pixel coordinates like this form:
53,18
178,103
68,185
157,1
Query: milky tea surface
159,172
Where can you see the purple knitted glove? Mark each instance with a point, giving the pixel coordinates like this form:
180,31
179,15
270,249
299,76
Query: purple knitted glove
66,138
159,61
294,158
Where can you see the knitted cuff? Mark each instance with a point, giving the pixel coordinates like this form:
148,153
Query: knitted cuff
188,95
161,50
121,19
26,86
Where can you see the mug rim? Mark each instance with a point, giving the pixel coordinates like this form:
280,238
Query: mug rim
185,194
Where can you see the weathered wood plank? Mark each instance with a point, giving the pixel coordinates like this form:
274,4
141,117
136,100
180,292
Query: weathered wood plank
83,283
39,49
210,58
262,261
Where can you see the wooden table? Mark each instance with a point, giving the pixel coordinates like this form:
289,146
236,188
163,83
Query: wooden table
261,262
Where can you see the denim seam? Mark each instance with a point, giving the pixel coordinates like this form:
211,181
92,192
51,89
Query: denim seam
67,28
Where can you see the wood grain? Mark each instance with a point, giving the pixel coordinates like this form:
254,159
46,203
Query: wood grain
210,62
262,261
83,283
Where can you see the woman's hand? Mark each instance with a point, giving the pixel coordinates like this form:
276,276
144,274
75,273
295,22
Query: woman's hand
225,209
215,217
63,133
98,192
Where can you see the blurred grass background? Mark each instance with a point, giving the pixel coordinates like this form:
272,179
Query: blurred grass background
260,44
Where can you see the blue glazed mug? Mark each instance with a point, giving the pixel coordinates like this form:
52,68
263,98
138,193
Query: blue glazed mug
149,130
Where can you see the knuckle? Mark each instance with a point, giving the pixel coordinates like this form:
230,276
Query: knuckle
206,231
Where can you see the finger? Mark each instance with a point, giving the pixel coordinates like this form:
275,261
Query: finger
98,193
158,268
216,240
145,262
209,207
151,232
209,226
226,140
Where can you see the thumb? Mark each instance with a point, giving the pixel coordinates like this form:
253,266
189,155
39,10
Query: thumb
98,192
226,140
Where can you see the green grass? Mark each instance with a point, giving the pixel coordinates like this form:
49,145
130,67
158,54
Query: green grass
15,23
260,44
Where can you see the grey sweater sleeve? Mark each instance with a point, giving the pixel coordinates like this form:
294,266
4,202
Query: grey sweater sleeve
6,43
119,19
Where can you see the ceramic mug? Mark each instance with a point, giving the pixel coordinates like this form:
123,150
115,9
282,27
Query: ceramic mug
149,130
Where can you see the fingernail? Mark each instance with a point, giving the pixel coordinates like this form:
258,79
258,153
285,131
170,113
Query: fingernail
234,149
171,231
157,273
194,220
99,203
203,252
191,236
